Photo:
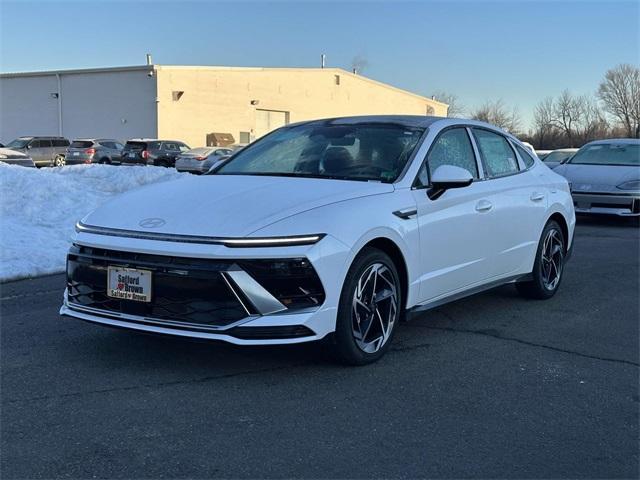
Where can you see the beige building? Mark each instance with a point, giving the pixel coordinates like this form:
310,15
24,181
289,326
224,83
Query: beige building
190,103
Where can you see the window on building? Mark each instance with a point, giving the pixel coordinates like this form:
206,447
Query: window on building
177,95
245,137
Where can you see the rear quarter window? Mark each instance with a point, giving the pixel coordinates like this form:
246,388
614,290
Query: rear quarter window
525,156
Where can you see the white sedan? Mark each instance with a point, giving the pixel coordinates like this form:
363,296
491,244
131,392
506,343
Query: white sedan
329,229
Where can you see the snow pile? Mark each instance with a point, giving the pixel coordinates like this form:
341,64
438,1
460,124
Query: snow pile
39,209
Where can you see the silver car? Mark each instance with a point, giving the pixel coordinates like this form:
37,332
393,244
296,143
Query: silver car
200,160
15,158
558,157
605,177
94,150
45,151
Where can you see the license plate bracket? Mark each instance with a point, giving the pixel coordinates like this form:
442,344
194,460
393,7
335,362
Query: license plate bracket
129,284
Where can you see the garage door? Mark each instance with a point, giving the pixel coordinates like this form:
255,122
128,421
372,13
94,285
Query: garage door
268,120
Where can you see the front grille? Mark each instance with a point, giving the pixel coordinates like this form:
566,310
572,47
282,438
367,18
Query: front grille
188,290
193,293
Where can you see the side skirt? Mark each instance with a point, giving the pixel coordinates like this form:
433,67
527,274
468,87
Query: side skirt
467,293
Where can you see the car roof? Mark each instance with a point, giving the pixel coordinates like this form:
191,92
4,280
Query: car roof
31,137
404,120
564,150
416,121
614,141
153,140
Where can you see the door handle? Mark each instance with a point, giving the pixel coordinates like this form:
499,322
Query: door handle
537,196
484,206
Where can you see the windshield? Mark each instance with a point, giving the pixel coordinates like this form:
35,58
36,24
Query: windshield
349,152
558,157
18,143
608,154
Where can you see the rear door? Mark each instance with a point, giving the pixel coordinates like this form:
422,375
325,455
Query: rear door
41,151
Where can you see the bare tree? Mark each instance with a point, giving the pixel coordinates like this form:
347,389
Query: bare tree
456,109
497,113
543,124
620,93
567,112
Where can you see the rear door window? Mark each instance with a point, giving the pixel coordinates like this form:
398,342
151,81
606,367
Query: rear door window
41,143
498,157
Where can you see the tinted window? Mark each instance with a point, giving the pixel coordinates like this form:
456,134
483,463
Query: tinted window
18,143
60,142
169,146
608,154
118,145
452,147
41,143
81,144
525,156
497,155
136,145
351,152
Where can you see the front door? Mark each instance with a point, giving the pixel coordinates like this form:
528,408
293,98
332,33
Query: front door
456,228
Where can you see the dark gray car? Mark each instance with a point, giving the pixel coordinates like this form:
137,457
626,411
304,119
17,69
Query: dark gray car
45,151
94,150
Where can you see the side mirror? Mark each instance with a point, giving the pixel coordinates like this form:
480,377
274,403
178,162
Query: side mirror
29,146
446,177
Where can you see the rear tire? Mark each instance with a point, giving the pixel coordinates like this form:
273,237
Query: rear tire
369,309
104,161
59,161
548,266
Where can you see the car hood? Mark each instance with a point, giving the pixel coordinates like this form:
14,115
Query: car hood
224,205
12,153
597,178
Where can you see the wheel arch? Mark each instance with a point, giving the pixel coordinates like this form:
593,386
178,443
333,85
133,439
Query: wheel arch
390,247
560,220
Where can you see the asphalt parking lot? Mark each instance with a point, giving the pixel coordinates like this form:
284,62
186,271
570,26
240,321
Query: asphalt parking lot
490,386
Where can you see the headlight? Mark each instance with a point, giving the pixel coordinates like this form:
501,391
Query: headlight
3,156
630,185
272,241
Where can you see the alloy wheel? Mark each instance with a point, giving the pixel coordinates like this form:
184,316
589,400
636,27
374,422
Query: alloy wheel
60,161
552,259
374,308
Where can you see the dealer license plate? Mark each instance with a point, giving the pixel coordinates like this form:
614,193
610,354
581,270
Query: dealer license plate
129,284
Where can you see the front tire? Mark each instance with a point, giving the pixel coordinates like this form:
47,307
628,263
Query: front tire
59,161
548,266
369,309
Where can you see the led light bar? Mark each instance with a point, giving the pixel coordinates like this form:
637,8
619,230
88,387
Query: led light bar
288,241
271,241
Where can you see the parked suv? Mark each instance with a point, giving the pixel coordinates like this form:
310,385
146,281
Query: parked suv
162,153
94,150
45,151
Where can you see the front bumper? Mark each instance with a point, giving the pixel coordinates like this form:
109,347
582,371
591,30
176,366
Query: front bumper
626,205
181,312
